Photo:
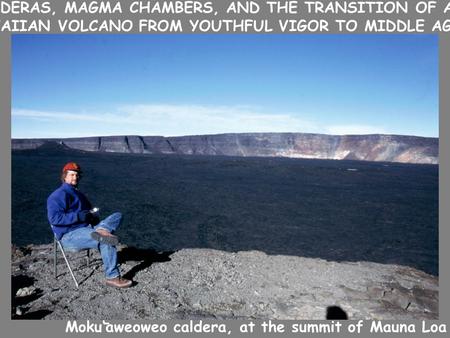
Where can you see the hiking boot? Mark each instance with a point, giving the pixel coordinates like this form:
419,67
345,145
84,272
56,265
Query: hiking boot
119,282
103,236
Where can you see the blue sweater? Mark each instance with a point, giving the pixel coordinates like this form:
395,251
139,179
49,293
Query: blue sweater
63,206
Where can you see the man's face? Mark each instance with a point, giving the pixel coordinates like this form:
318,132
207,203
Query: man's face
72,178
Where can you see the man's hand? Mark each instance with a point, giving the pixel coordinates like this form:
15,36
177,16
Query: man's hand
85,216
81,215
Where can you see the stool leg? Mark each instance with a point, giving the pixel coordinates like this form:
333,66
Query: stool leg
68,264
55,252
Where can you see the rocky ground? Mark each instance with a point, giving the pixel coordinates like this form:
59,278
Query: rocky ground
205,283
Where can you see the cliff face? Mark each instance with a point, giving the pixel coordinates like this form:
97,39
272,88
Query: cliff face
390,148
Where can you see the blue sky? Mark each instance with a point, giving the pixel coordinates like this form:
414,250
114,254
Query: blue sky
172,85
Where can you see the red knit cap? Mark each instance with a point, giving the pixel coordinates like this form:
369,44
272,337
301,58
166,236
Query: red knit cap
72,166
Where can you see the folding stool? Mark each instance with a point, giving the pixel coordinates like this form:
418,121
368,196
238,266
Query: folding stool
57,243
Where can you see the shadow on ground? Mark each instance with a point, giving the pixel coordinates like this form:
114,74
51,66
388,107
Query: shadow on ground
336,312
18,304
146,257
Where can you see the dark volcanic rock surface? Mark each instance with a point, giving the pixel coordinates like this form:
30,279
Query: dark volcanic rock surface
205,283
336,210
390,148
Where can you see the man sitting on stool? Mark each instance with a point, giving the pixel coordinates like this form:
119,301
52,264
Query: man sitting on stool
78,227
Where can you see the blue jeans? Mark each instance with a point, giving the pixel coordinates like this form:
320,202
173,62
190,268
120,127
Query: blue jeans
80,239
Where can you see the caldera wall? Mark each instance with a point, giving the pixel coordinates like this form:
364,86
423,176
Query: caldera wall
390,148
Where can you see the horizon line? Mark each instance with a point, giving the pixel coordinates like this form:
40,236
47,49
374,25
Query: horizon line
218,134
